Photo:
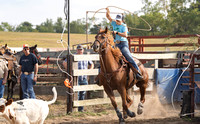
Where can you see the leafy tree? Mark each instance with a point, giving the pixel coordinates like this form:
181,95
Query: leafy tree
46,26
183,19
153,16
1,29
58,26
77,26
95,29
25,27
6,27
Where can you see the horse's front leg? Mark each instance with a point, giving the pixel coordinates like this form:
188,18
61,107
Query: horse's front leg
12,87
8,90
129,103
123,92
110,94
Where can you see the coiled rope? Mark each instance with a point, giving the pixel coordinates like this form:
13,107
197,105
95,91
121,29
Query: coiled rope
149,29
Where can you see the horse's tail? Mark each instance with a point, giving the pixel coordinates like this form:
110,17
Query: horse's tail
54,96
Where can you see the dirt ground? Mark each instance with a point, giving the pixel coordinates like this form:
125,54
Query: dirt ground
154,113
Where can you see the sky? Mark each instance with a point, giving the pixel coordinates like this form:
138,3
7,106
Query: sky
37,11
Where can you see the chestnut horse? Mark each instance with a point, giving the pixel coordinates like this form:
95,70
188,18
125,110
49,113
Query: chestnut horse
114,75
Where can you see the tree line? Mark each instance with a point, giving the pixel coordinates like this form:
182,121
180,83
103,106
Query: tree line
166,17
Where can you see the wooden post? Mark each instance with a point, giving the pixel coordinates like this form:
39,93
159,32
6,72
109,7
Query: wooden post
142,45
156,64
75,83
192,86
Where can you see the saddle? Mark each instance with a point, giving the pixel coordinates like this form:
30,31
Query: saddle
127,65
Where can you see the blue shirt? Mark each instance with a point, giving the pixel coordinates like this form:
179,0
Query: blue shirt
119,28
28,62
83,65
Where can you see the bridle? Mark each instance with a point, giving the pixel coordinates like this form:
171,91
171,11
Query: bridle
107,75
102,43
36,54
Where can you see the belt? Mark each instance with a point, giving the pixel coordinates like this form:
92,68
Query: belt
27,73
118,41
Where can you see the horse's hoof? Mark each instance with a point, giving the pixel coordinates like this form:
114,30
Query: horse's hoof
125,116
140,108
121,121
139,111
132,114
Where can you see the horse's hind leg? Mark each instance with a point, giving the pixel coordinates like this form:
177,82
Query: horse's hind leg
112,99
123,93
142,86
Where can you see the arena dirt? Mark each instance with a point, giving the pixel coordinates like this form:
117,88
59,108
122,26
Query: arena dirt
154,113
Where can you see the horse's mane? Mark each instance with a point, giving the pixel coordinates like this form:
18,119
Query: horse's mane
116,53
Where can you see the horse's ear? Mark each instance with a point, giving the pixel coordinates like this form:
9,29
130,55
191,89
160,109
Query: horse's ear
6,45
35,45
106,30
100,30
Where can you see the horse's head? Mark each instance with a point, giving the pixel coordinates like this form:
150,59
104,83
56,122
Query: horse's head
4,49
34,50
102,39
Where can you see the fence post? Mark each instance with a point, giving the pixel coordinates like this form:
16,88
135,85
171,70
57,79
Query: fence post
75,83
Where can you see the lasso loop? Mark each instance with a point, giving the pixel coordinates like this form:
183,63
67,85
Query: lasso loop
129,12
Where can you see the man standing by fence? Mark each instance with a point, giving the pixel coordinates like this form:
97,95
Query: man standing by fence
3,76
28,72
82,80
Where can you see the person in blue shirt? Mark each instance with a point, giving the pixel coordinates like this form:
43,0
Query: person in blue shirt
121,32
82,80
28,72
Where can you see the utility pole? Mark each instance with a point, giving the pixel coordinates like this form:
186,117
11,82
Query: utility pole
69,59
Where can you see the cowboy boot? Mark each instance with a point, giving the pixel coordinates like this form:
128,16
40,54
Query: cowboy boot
139,76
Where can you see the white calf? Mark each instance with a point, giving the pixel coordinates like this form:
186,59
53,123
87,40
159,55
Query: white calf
26,111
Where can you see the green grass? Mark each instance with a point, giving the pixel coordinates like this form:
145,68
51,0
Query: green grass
49,40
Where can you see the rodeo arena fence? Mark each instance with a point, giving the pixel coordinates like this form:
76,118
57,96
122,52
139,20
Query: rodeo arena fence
164,69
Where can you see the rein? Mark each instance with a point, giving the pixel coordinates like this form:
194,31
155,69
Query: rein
107,75
38,57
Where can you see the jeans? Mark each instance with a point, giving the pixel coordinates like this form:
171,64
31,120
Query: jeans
123,46
81,94
27,86
1,88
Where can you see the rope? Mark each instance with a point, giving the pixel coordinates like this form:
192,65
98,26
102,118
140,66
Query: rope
172,96
66,82
129,12
47,63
